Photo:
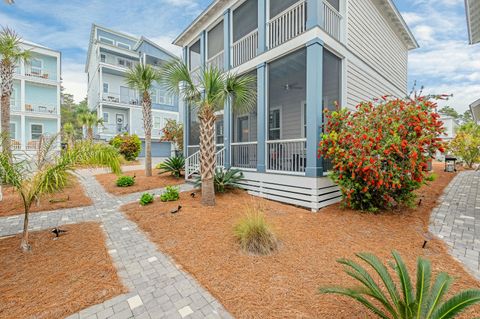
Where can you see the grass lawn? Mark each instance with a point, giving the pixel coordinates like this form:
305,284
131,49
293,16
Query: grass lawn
284,284
142,183
72,196
58,277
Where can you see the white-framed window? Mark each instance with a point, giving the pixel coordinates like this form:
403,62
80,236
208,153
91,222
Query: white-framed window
13,97
36,66
157,122
36,131
105,117
124,62
13,130
164,98
106,40
123,45
153,96
103,57
105,87
274,124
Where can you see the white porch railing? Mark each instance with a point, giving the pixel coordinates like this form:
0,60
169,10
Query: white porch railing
245,48
217,61
331,20
41,108
192,164
244,155
288,24
114,128
287,155
15,145
39,73
192,149
33,145
220,158
112,97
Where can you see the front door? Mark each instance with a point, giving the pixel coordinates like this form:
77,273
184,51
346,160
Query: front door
120,120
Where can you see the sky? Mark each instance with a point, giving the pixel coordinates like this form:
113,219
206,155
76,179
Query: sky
444,64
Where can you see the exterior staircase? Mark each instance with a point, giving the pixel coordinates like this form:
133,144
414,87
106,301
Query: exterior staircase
192,164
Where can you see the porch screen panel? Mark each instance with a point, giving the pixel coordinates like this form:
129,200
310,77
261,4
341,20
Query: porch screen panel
245,19
194,133
215,40
195,55
277,6
244,124
335,4
331,79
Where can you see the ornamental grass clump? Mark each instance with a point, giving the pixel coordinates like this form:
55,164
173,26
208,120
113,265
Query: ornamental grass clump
254,234
380,152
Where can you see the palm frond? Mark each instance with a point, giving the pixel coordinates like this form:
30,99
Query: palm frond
177,80
457,304
10,49
141,77
405,282
424,273
439,289
242,91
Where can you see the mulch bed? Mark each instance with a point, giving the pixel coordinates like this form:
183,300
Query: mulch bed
142,183
58,277
72,196
284,284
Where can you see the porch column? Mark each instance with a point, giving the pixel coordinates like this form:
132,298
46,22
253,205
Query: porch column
186,123
203,47
314,106
262,26
227,109
261,115
23,132
315,13
226,39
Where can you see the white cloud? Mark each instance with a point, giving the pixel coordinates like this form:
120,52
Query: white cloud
74,79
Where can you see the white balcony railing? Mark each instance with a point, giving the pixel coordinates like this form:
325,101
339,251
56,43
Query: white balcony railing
244,155
112,97
15,105
114,128
332,20
33,145
287,155
217,61
39,73
117,61
288,24
15,145
41,108
245,48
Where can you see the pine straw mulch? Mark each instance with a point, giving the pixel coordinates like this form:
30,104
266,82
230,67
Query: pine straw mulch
284,285
72,196
142,183
58,277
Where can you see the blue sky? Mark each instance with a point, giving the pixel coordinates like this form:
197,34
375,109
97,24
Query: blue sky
443,64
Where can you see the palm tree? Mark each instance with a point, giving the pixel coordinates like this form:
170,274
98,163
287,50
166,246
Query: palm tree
48,173
89,120
10,54
213,90
141,78
69,134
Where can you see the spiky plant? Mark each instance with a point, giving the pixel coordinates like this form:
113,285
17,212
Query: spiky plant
423,302
207,91
69,134
174,165
89,120
223,179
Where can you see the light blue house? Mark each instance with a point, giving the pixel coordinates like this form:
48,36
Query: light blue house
306,55
35,100
110,55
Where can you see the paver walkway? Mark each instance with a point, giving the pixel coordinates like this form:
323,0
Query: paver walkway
457,219
158,288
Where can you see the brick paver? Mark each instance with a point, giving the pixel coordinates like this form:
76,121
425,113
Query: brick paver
158,288
457,219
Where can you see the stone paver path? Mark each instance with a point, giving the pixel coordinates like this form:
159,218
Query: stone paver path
457,219
158,288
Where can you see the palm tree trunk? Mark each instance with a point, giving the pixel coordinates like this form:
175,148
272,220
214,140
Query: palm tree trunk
24,245
147,124
90,133
5,125
207,157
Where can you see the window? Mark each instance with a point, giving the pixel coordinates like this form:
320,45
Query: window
124,62
36,66
103,58
105,117
123,45
274,120
164,98
243,129
195,55
107,40
105,87
13,97
13,131
157,122
36,131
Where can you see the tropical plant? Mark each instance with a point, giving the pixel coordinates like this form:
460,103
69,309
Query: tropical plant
223,180
89,120
11,55
214,89
93,154
380,152
423,302
128,145
69,134
48,172
170,194
174,165
141,78
254,234
125,181
466,143
173,132
146,199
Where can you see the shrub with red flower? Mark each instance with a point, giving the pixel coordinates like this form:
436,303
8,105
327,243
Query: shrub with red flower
380,152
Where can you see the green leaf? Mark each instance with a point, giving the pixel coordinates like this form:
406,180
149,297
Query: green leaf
457,304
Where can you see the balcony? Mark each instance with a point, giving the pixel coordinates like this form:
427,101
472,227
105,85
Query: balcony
287,25
15,105
114,129
217,61
245,48
244,155
287,155
41,108
15,145
40,73
117,61
111,97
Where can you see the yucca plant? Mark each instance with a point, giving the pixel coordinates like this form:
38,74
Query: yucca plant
423,302
174,165
223,180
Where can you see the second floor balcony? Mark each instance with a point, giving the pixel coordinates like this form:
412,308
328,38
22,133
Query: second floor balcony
42,108
117,61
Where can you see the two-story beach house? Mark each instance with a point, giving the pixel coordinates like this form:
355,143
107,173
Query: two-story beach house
306,55
35,100
110,55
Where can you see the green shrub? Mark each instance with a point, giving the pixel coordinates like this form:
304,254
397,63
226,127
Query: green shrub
146,199
171,194
125,181
175,165
224,180
254,233
424,302
432,177
128,145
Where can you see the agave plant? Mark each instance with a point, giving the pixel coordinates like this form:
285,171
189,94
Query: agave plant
175,165
423,302
223,179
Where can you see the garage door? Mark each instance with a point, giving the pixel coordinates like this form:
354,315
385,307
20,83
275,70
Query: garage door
159,149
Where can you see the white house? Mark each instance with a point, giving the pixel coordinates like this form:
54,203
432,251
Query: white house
473,20
306,55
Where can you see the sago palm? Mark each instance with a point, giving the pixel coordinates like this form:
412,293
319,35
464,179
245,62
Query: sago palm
208,91
174,165
32,178
10,54
89,120
141,78
423,302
